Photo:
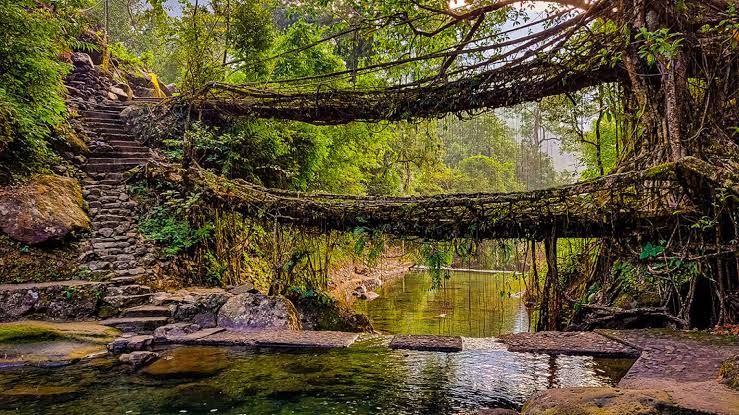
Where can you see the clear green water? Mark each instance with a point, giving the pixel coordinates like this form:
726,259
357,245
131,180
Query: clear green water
470,304
367,378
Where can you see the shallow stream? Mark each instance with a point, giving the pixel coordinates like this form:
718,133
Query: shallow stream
366,378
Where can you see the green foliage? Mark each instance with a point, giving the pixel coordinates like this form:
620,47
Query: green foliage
660,43
436,257
127,59
651,251
252,33
320,59
175,233
479,173
34,36
626,272
370,241
170,227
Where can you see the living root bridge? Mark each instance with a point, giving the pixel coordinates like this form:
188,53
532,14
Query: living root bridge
618,204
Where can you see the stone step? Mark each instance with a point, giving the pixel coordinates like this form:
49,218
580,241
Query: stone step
124,143
128,153
111,218
106,167
113,225
130,146
94,123
134,289
112,160
104,121
118,106
135,324
100,177
127,301
118,281
99,129
95,185
147,99
105,115
134,272
114,136
147,311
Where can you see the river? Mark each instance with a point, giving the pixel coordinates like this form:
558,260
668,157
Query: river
367,378
471,304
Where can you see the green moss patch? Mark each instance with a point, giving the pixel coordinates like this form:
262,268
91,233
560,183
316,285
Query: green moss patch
38,331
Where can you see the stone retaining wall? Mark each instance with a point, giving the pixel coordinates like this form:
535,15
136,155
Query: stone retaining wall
68,300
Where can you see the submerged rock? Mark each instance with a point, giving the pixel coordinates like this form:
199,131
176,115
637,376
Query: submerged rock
599,401
49,207
369,296
138,359
249,312
189,362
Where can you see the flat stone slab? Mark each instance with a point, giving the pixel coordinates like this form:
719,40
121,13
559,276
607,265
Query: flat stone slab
275,339
568,343
197,335
427,343
41,285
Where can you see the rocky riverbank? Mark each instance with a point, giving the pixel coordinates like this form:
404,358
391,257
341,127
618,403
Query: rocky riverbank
357,281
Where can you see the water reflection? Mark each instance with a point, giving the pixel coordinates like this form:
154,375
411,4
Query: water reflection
364,379
468,304
367,378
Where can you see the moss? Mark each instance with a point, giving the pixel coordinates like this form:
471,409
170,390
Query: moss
21,263
36,331
660,171
729,372
20,333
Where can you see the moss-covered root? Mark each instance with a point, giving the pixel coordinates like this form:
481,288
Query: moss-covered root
729,372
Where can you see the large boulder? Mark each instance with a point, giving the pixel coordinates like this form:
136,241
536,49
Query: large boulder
49,207
195,305
250,312
82,61
319,314
64,300
600,401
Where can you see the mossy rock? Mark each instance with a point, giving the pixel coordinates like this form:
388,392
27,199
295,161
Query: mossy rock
329,315
48,207
729,372
40,343
601,401
37,331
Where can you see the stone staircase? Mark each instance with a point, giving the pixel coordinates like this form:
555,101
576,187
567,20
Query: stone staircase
117,250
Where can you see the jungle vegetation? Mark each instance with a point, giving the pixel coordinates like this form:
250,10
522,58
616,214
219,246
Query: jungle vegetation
348,45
